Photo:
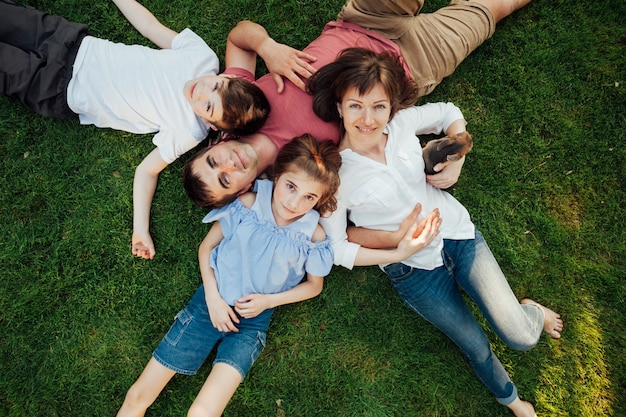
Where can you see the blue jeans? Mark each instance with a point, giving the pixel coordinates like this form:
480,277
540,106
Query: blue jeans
192,337
436,296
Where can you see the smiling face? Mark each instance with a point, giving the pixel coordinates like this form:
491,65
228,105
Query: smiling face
228,168
295,193
203,94
365,116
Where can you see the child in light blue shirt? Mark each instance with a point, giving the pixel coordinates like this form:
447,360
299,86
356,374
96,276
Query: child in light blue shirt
253,260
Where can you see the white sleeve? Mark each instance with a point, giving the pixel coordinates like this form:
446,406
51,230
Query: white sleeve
431,118
335,226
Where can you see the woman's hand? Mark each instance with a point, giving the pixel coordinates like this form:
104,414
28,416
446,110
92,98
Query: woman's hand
447,175
252,305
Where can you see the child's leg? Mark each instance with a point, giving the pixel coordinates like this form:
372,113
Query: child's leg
146,389
36,58
216,391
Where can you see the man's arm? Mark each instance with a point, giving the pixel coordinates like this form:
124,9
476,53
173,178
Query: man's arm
144,185
146,24
248,39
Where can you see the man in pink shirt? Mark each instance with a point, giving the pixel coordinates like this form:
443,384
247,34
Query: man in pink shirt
430,44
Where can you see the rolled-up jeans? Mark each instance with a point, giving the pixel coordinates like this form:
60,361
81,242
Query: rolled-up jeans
436,296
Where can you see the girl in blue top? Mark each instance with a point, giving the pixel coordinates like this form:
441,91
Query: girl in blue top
252,260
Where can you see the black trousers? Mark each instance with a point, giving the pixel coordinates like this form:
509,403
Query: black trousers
37,53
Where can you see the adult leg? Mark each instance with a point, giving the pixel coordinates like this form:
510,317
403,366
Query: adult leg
434,295
432,44
145,390
478,272
216,391
502,8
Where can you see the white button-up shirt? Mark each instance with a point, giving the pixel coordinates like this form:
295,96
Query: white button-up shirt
380,196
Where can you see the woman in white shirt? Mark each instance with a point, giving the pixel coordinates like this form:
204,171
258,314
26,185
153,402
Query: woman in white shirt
383,179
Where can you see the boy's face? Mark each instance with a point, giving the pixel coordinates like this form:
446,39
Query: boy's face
203,95
228,168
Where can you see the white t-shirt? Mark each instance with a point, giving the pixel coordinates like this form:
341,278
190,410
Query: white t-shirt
380,196
140,90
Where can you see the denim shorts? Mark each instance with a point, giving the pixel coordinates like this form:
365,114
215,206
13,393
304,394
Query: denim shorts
192,337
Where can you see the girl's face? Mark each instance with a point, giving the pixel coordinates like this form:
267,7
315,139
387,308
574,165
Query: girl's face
295,193
365,116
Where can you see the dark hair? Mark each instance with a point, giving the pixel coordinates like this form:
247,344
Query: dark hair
362,69
245,107
320,160
197,190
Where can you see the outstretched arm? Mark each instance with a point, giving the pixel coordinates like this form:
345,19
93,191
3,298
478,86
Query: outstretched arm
222,315
254,304
381,239
144,185
248,39
146,24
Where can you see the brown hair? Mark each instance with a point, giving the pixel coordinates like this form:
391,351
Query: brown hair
320,160
245,107
362,69
197,190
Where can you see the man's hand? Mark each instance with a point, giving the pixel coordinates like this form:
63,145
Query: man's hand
142,246
447,175
284,61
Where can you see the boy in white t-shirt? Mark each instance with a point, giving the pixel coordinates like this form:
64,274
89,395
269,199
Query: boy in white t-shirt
55,68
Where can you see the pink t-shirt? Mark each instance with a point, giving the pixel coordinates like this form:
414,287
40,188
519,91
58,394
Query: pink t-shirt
292,111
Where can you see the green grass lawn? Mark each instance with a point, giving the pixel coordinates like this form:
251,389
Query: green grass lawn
545,101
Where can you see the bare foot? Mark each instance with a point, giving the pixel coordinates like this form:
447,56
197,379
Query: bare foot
522,408
552,324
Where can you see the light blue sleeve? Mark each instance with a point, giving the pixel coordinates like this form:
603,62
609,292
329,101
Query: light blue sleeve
229,217
320,259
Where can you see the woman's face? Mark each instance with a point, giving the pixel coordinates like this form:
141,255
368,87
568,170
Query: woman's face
365,116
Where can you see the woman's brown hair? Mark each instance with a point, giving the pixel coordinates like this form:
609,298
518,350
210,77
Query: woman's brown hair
361,69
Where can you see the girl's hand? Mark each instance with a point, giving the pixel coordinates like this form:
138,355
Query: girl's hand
252,305
222,315
420,235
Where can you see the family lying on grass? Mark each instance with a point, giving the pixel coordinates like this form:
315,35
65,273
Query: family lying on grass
329,106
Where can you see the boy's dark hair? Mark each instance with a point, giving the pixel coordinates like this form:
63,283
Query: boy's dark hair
362,69
197,190
245,107
321,162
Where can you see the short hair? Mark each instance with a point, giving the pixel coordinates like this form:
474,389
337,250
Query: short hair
362,69
245,107
197,190
319,160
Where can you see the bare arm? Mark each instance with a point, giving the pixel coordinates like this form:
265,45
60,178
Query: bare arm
254,304
248,39
146,24
222,315
144,185
380,239
419,236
